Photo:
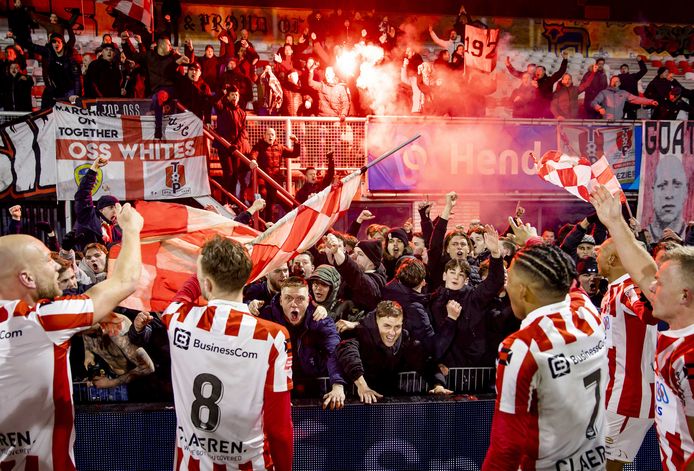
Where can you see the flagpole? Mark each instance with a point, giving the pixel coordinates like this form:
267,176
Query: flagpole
388,154
355,174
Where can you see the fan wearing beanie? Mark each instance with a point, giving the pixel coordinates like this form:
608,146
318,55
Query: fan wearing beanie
95,223
397,245
363,274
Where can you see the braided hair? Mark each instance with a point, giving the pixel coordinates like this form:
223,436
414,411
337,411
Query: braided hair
548,265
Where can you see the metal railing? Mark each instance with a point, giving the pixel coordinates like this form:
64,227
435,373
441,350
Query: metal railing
477,380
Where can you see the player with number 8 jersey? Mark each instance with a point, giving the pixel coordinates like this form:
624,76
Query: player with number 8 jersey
231,371
551,374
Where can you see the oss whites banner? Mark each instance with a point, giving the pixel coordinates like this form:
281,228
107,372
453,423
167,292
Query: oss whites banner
140,167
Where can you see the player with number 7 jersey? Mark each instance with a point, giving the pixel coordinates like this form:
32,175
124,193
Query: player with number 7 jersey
551,374
231,371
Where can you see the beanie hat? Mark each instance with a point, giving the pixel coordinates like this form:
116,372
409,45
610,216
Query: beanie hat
373,249
587,265
56,35
109,45
106,200
399,233
588,239
661,70
194,65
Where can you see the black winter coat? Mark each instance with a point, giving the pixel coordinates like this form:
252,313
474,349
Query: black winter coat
463,342
366,354
417,319
363,288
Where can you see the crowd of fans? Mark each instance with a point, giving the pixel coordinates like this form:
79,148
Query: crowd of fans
315,73
359,311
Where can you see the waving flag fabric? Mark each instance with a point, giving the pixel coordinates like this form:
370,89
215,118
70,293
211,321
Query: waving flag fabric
301,228
171,240
577,175
173,235
139,10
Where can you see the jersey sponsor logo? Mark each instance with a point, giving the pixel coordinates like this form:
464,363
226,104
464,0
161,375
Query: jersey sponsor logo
559,366
216,448
505,355
20,441
584,355
10,334
181,338
237,352
661,397
591,459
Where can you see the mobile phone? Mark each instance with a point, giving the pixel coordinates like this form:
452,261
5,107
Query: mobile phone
258,196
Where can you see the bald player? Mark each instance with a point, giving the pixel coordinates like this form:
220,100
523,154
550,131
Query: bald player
669,287
36,323
630,352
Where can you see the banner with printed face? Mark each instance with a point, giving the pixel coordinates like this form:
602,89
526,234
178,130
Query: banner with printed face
667,175
460,155
27,158
480,48
140,167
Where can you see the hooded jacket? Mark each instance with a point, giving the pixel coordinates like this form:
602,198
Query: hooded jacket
330,276
313,343
366,354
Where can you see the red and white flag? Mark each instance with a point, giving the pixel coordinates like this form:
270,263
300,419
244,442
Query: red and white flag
139,10
303,227
171,239
173,235
577,175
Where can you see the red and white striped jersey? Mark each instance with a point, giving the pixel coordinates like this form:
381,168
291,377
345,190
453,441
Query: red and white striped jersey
36,413
630,351
223,361
674,395
553,371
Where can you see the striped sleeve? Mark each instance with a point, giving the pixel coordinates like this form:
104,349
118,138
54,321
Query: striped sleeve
630,300
279,375
516,369
65,316
169,312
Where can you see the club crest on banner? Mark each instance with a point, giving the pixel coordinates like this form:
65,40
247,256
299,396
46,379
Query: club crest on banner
176,180
82,169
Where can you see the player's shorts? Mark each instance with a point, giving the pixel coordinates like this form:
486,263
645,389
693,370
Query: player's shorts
624,436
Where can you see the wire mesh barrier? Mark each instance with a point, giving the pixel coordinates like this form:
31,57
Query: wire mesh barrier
7,116
318,136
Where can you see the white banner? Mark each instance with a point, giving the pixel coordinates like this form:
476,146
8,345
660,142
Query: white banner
140,167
